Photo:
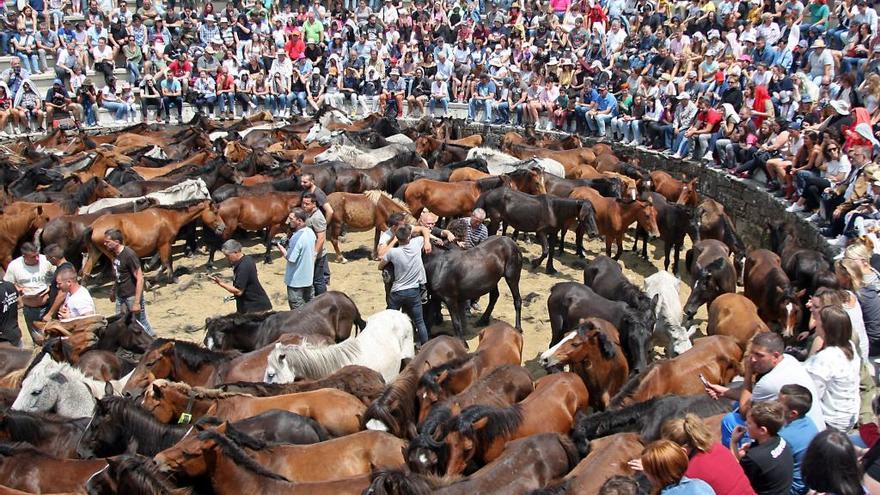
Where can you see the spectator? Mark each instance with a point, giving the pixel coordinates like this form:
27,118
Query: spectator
128,289
172,96
150,97
300,256
665,464
830,465
798,431
29,104
58,102
112,102
87,97
483,98
768,461
250,297
604,110
31,274
206,92
439,95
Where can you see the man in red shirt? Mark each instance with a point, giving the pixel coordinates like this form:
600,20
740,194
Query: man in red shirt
181,69
705,125
294,46
225,84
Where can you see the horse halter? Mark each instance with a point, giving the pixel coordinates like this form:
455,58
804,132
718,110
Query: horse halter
186,416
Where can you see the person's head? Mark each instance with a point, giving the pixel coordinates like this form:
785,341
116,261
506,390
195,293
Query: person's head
427,219
66,280
766,353
664,462
836,328
54,253
690,432
849,274
113,240
830,464
796,401
477,217
297,218
619,485
859,155
307,181
403,234
309,202
396,220
765,419
232,250
30,254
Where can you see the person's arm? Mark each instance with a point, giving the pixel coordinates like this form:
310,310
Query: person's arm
235,291
56,305
138,290
319,241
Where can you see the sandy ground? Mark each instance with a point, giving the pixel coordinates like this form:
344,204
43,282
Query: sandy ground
179,310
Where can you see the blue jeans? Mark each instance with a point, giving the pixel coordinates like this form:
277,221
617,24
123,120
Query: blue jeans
30,63
730,421
134,72
321,278
800,178
680,144
90,115
206,101
444,104
503,110
141,317
411,301
226,102
300,97
599,122
282,102
475,104
172,101
119,109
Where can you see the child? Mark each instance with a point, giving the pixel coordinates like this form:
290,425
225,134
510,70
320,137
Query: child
767,461
799,430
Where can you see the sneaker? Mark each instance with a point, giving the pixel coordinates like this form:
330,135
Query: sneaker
815,218
840,241
708,157
795,208
677,156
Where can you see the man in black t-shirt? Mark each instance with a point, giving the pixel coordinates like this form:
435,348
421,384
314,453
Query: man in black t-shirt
307,181
768,461
128,289
250,297
57,101
9,331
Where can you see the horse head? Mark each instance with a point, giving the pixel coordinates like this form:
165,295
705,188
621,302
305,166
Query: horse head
211,218
788,307
647,217
638,338
427,453
104,189
164,400
188,455
280,369
706,286
123,330
564,352
157,362
103,433
41,388
587,217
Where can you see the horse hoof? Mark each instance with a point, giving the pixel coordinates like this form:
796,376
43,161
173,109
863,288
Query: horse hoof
551,271
268,261
536,263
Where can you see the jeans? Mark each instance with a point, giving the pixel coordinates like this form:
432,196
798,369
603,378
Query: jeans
503,112
321,278
173,101
475,104
411,301
680,144
30,63
298,98
146,103
134,72
206,101
120,110
701,145
282,102
226,102
629,129
32,314
800,180
297,297
444,104
91,115
598,122
730,421
141,316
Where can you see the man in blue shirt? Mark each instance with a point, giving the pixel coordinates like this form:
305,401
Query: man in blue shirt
604,109
300,256
585,103
172,96
484,96
799,430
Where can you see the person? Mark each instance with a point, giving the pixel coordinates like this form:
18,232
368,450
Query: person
830,465
307,181
9,331
55,255
619,485
250,297
405,254
78,301
31,273
799,430
318,223
128,288
300,256
767,369
476,229
665,464
767,461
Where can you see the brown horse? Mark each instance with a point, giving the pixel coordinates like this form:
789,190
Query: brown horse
359,381
23,467
767,285
717,359
480,433
570,159
425,145
614,216
674,190
467,174
16,227
500,344
736,316
267,211
712,222
353,455
198,158
151,230
340,413
711,271
86,192
608,456
593,351
459,198
360,212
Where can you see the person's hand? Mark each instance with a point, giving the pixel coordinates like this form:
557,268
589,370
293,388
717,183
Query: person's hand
426,247
46,318
715,391
837,214
737,434
803,336
136,307
635,464
214,279
64,312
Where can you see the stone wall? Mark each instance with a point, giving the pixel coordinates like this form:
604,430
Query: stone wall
747,203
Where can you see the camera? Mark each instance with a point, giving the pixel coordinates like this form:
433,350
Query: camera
280,241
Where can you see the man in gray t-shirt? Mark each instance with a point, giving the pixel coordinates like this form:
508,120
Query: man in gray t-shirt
408,275
318,223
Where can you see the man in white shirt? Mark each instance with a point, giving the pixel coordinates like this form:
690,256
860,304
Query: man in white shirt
77,300
30,274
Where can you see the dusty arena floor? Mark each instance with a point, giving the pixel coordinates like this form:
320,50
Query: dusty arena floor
179,310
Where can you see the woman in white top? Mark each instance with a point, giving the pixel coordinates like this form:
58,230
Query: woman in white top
835,367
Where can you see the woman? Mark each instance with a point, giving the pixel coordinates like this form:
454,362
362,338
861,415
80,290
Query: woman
110,100
545,102
418,96
665,464
762,108
835,367
30,105
831,173
6,110
259,91
150,97
830,465
133,60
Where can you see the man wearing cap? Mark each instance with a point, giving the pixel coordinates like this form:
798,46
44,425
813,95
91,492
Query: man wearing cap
685,112
208,30
394,88
250,297
207,61
483,97
604,109
58,101
295,45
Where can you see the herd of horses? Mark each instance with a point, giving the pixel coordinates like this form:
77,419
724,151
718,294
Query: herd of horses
327,400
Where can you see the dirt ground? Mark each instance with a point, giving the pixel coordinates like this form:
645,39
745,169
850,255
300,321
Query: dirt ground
179,310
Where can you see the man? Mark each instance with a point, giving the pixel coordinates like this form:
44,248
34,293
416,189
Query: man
67,60
483,97
307,181
604,109
476,229
250,297
317,222
77,300
707,122
14,75
405,254
128,288
394,89
685,112
30,273
47,42
9,331
55,255
58,101
799,430
172,96
820,64
767,369
439,94
300,256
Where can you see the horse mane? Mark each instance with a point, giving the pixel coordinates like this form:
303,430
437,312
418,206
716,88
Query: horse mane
237,321
438,417
320,361
17,376
183,205
193,355
502,421
140,423
238,455
145,475
632,385
197,392
400,391
376,195
81,197
429,378
730,234
30,426
400,481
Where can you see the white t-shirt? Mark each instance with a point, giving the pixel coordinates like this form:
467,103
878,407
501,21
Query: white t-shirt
788,371
34,279
80,303
837,383
858,326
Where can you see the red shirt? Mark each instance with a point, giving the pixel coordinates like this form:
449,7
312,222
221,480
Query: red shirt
224,82
720,470
710,116
294,48
179,69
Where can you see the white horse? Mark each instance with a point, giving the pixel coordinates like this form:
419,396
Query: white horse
188,190
499,162
386,340
59,387
668,310
359,158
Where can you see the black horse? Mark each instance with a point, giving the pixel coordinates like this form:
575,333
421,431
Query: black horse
806,268
605,277
610,187
457,276
123,331
545,215
571,301
405,175
34,177
674,222
287,184
712,274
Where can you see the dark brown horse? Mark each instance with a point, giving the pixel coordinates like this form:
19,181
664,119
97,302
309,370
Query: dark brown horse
767,285
614,216
674,221
712,222
804,267
54,435
359,213
86,193
712,274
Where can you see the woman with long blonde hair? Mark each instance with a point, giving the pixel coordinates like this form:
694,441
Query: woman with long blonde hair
665,464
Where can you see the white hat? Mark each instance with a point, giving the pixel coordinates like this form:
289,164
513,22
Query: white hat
217,39
316,71
747,36
819,43
223,19
729,112
495,62
840,106
684,96
864,130
714,34
209,18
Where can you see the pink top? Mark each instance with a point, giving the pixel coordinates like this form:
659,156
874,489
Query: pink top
720,470
560,5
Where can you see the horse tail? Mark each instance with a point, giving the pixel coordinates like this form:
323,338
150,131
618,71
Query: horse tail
400,193
359,324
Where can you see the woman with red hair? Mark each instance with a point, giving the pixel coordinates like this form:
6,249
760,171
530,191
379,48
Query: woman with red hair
763,106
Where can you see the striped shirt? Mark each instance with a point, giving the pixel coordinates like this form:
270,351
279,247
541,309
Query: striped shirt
475,235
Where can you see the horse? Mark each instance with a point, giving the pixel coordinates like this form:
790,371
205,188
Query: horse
545,215
708,264
52,434
715,359
804,267
132,474
25,468
674,190
668,313
736,316
123,331
86,192
32,178
674,221
15,228
606,278
286,184
712,222
480,433
455,199
332,314
357,158
396,409
614,216
404,175
767,285
338,412
149,231
570,301
359,381
118,422
499,163
353,455
609,456
609,187
358,213
499,344
385,341
456,276
570,159
59,387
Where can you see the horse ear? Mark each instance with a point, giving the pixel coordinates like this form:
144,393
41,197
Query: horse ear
480,423
801,293
132,447
156,391
411,430
58,378
442,376
655,301
108,389
606,347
